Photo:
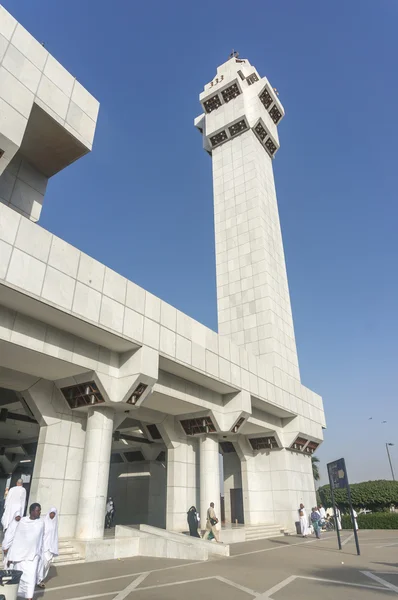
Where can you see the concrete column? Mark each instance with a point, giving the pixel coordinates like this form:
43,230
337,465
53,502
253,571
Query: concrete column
209,476
95,475
181,483
59,457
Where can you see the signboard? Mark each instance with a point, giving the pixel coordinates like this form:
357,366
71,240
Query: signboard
338,479
338,474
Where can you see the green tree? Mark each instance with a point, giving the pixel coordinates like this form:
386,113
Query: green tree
315,468
373,495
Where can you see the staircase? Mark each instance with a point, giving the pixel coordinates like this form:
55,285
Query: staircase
260,532
67,554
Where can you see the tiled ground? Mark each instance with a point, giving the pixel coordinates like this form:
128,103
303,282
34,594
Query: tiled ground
283,568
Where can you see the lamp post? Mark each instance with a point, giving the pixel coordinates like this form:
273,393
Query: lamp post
389,459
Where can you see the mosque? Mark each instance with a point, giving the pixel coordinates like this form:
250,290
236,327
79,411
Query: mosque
107,390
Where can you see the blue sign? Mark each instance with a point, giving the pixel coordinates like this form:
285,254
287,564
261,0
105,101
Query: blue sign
338,474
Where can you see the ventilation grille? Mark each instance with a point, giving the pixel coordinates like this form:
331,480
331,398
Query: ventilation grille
212,103
218,138
311,447
238,425
299,444
136,395
260,131
266,98
252,79
85,394
275,114
231,92
197,426
270,146
264,443
237,128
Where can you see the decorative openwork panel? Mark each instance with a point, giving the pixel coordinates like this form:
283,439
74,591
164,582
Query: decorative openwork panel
260,131
154,432
237,128
238,424
218,138
252,79
227,447
136,395
311,447
266,98
134,456
264,443
212,103
299,444
271,147
275,114
230,93
197,426
85,394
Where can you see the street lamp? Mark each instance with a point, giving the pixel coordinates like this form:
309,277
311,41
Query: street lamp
389,459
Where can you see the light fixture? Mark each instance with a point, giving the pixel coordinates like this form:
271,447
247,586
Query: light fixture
27,460
125,442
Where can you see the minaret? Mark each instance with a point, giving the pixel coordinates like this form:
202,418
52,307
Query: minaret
239,128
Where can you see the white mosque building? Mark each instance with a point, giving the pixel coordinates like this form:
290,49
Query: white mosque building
107,390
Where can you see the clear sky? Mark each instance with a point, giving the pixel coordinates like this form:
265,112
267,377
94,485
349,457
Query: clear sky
142,201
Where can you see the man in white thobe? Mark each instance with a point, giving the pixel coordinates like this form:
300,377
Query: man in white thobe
303,518
26,551
322,514
15,501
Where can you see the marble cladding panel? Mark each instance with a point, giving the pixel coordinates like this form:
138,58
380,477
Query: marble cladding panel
40,264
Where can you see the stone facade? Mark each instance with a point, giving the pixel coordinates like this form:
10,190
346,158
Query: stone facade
122,393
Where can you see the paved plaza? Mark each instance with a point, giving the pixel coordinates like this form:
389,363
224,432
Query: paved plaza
282,568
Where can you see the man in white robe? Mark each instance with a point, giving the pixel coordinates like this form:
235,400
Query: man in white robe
303,518
9,536
50,543
26,552
15,500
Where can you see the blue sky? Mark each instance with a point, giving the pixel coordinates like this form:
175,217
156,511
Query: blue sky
142,201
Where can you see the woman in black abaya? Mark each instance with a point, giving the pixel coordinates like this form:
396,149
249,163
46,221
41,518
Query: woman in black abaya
193,522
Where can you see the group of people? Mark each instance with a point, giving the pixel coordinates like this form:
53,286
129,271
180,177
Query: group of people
30,543
318,519
211,531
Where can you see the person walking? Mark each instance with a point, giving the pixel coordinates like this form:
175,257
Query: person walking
211,522
15,500
50,543
26,551
9,536
110,513
193,522
316,521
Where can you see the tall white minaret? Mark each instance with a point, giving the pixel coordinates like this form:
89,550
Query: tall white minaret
239,128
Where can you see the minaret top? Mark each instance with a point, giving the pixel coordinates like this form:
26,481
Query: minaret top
236,100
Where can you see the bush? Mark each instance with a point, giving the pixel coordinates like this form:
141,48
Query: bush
373,495
378,520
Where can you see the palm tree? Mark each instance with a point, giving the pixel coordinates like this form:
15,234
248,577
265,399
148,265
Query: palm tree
315,468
